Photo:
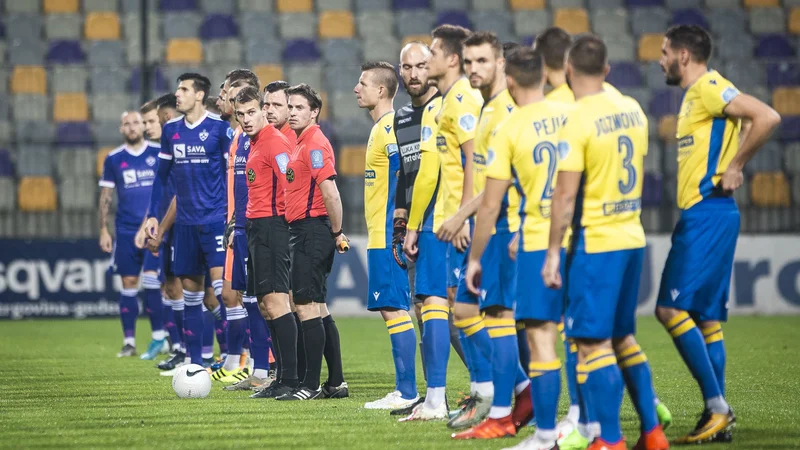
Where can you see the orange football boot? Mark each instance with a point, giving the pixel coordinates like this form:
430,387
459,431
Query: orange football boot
599,444
653,440
489,429
523,408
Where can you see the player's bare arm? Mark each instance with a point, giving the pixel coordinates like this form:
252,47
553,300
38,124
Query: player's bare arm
333,204
763,121
491,200
163,228
451,227
461,241
106,243
561,212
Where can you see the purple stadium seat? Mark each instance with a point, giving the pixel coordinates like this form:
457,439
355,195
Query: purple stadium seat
218,26
790,128
644,3
157,81
70,134
665,102
454,18
411,4
299,50
177,5
65,52
783,73
651,190
774,46
690,17
6,165
625,75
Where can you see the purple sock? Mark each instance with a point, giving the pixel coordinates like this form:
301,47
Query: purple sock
237,326
169,322
259,336
221,327
128,312
208,333
193,325
152,301
177,309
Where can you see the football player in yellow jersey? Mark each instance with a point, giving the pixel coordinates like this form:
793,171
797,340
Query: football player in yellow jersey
523,156
388,290
602,147
697,274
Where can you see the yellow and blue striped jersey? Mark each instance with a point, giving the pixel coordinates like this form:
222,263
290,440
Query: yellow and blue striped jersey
493,113
380,181
525,149
605,138
458,120
707,139
564,94
427,217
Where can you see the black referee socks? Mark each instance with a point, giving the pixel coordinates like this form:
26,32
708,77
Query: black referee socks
285,331
314,340
333,352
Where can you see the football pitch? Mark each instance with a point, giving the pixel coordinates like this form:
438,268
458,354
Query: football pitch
63,387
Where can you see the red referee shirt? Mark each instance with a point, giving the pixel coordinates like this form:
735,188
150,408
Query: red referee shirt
266,166
311,164
291,136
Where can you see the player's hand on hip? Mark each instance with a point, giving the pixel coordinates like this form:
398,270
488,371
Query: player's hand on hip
473,276
513,246
731,180
151,227
449,229
410,245
551,273
106,243
462,239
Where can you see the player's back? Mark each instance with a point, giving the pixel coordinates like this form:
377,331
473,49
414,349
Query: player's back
564,94
380,181
606,138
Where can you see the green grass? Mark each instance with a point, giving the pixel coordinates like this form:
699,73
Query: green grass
63,387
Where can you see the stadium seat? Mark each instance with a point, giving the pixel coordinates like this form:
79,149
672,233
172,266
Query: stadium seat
790,128
106,130
652,160
410,4
741,47
74,162
336,25
100,5
792,161
258,26
530,23
653,75
651,190
794,20
621,47
70,134
107,53
77,193
372,5
109,79
256,5
218,26
668,128
22,6
37,194
157,81
450,5
78,224
624,74
29,80
650,47
32,225
181,25
65,52
767,20
352,131
25,52
8,193
723,4
223,51
31,107
414,22
177,5
40,131
374,24
6,165
573,20
783,73
63,26
215,6
673,5
268,73
184,51
459,18
728,21
762,3
102,26
34,160
691,16
351,189
649,20
377,47
644,3
786,100
665,102
334,5
341,78
521,5
23,26
610,22
488,5
346,105
6,132
268,52
770,189
297,26
775,46
768,159
501,22
70,107
110,107
68,79
100,159
60,6
301,50
352,159
342,51
5,107
294,6
310,74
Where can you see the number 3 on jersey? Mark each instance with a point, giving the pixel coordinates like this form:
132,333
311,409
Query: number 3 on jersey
538,158
625,144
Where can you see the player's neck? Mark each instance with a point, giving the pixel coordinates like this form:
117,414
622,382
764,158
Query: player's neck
423,99
449,79
193,115
693,73
584,86
381,109
491,91
556,78
525,97
300,132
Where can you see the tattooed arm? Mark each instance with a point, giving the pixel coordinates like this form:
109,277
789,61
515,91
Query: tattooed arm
106,243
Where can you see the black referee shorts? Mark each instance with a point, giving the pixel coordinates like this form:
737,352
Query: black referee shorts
312,249
268,256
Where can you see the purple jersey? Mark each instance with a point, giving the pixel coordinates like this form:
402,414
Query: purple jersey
240,181
132,172
194,155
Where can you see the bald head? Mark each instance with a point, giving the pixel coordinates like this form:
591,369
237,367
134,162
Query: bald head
131,127
414,68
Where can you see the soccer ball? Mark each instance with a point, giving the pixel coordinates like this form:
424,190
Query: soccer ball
191,381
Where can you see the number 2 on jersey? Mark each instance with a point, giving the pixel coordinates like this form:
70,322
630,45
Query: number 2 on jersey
625,144
538,158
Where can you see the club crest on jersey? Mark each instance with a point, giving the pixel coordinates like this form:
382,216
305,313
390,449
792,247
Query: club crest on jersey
230,133
251,175
151,161
247,144
467,122
426,133
204,135
316,159
283,161
289,175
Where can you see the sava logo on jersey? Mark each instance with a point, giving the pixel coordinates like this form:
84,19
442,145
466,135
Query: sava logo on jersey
188,151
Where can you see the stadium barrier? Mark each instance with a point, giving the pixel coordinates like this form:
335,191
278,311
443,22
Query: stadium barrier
51,278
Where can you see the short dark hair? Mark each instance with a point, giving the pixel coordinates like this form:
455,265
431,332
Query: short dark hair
247,82
303,89
275,86
386,75
692,38
510,47
200,83
152,105
249,94
588,55
525,65
246,75
485,37
553,44
167,101
452,37
211,105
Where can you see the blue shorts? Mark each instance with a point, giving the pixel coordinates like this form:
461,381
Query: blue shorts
151,262
498,280
127,259
697,274
196,247
535,301
388,282
431,267
165,257
456,262
239,270
602,293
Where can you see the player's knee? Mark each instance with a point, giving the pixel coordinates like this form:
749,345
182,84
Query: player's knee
230,297
463,311
392,313
588,346
664,315
130,282
307,311
620,344
498,312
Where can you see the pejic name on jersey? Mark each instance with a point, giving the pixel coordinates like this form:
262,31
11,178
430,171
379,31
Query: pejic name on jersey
619,121
549,125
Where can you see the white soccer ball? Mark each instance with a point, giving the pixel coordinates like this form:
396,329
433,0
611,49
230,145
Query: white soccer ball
191,381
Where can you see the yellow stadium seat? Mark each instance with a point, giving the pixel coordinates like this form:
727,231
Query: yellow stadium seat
267,73
770,189
61,6
762,3
517,5
786,100
29,80
295,6
667,128
794,20
336,25
572,20
71,107
650,46
185,51
426,38
102,26
37,194
352,160
101,158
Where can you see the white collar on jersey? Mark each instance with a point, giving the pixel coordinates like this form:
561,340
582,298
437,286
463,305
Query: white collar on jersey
138,151
192,126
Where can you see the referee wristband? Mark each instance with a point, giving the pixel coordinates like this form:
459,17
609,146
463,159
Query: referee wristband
337,233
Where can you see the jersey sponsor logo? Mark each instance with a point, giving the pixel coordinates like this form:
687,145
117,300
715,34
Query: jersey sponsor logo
317,162
729,94
240,161
150,161
391,149
283,161
146,173
204,135
229,132
426,134
289,175
404,120
477,158
409,149
370,174
467,122
179,150
686,141
129,176
441,142
387,128
251,175
624,206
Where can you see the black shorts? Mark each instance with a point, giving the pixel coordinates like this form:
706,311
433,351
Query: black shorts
268,256
312,249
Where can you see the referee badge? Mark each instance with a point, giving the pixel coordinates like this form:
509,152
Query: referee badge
289,175
251,175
